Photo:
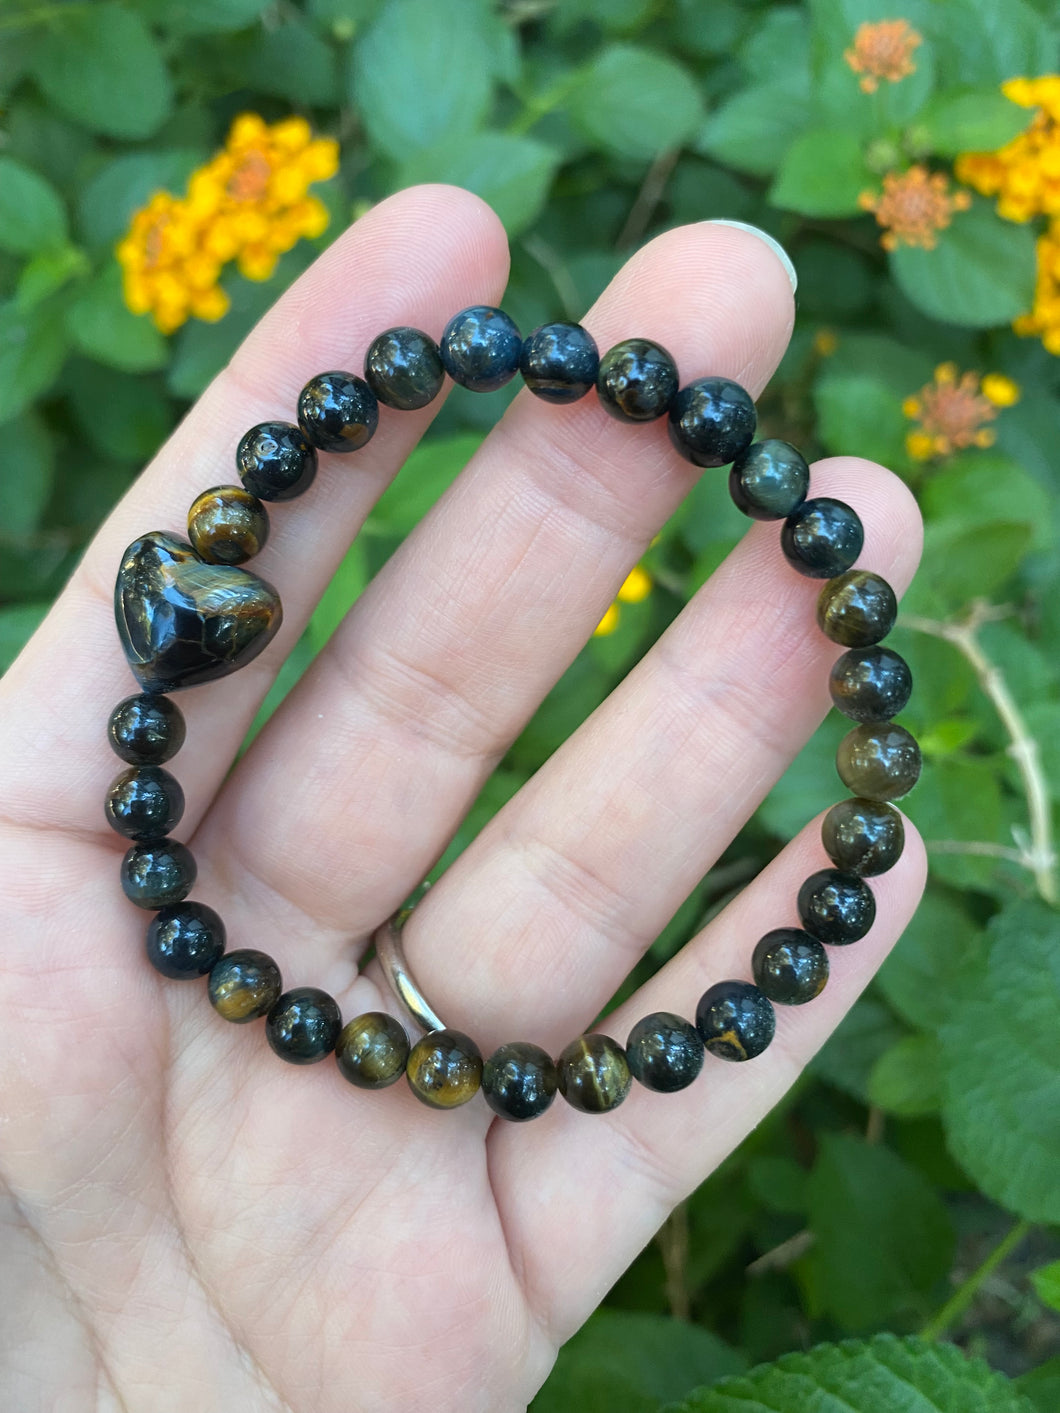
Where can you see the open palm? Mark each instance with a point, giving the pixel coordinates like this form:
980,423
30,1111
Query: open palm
186,1222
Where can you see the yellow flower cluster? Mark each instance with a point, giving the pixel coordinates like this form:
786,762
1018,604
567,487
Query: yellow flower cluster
1044,319
883,50
249,204
952,411
1024,175
635,589
913,207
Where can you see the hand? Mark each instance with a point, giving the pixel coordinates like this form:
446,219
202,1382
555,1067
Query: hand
187,1221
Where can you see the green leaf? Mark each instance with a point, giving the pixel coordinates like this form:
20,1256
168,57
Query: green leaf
423,478
292,62
32,348
1001,1065
846,1059
982,488
962,563
185,17
860,415
18,623
1046,1282
1042,1386
48,272
27,469
513,174
124,415
980,274
778,1183
635,103
879,1375
823,174
125,184
753,129
102,327
421,75
809,783
991,43
959,799
102,68
905,1080
32,215
976,120
917,974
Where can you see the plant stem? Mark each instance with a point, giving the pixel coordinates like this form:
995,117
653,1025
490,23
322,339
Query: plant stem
968,1289
673,1244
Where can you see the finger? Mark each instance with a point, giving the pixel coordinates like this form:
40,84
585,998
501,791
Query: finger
413,259
631,1166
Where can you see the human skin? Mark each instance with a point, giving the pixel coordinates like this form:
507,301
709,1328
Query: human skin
186,1222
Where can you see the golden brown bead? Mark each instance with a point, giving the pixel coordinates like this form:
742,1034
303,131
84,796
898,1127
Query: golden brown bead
372,1050
593,1074
227,525
879,762
244,985
444,1069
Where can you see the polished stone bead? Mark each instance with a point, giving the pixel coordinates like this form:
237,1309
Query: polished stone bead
144,802
227,525
789,966
664,1052
303,1025
857,609
404,368
870,684
594,1074
836,907
712,421
480,348
182,622
146,729
158,873
735,1020
444,1069
185,940
865,837
275,461
769,480
372,1050
637,381
244,985
879,761
519,1081
822,538
338,412
559,362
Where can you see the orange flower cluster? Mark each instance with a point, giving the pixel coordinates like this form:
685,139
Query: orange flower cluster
882,51
1024,175
913,207
953,409
249,204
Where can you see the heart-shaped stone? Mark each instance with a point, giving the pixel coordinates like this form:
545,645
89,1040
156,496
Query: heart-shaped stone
182,622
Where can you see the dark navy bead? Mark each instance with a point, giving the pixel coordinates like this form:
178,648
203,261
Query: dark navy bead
790,966
836,907
372,1050
822,538
637,381
593,1074
865,837
146,729
879,761
338,412
870,684
185,940
857,609
275,461
480,348
404,368
303,1025
559,362
664,1052
735,1020
144,802
244,985
769,480
519,1081
712,421
156,874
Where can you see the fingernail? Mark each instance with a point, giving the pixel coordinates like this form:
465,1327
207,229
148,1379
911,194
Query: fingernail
774,245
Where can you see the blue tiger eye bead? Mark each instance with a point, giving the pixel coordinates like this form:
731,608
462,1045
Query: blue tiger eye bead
593,1074
870,684
559,362
158,873
769,480
712,421
480,348
444,1069
664,1052
303,1025
836,907
244,985
823,537
146,729
637,381
879,761
275,461
857,609
372,1050
735,1020
519,1081
185,941
861,836
337,412
404,368
144,802
789,966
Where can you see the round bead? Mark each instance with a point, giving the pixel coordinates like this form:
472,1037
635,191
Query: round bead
244,985
836,907
857,609
519,1081
880,762
404,368
144,802
712,421
664,1052
372,1050
735,1020
146,730
637,381
303,1025
790,966
227,525
769,480
275,461
480,348
870,684
865,837
185,940
338,412
444,1069
559,362
822,538
158,873
593,1074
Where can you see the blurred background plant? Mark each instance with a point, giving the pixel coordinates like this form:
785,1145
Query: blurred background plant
167,167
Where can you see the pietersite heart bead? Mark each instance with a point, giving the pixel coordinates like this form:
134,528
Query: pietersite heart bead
182,622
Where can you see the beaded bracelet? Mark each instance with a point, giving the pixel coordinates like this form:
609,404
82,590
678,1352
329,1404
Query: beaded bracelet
186,614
